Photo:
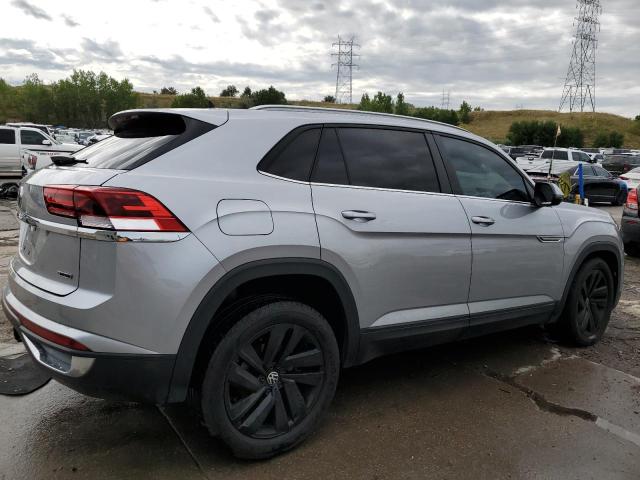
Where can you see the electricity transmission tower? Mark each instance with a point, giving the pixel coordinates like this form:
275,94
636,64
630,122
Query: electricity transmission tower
446,99
580,83
344,62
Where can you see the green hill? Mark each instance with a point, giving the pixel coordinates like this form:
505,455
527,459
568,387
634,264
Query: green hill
494,125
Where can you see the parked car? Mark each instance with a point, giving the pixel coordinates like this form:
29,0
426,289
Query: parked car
565,154
97,138
632,178
630,224
45,128
15,141
599,185
83,137
620,164
246,256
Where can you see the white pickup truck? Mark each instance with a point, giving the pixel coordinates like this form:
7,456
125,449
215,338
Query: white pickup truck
18,141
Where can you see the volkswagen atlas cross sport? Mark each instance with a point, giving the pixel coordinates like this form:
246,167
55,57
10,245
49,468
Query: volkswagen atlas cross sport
243,257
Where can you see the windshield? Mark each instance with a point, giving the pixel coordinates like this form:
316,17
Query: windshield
120,153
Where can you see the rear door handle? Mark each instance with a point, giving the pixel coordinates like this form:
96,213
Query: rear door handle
359,215
483,220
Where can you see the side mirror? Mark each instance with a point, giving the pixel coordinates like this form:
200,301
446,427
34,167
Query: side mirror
46,142
547,194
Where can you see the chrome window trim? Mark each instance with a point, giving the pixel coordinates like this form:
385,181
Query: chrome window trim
102,235
361,187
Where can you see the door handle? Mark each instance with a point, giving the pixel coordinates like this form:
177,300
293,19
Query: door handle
486,221
359,215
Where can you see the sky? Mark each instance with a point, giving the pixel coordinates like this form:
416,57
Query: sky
498,55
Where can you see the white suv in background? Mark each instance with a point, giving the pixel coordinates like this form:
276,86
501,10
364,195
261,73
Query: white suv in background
527,163
16,141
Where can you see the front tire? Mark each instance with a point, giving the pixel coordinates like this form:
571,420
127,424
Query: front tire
271,379
589,304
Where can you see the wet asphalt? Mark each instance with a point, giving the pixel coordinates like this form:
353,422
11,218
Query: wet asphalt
511,405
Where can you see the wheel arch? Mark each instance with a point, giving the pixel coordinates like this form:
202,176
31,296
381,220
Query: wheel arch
203,319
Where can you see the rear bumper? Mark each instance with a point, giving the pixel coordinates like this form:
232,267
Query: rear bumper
118,376
630,227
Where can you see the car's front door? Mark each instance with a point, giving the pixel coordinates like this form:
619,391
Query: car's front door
517,247
403,246
9,152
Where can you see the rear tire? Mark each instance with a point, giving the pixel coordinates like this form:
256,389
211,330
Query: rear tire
620,198
271,379
589,304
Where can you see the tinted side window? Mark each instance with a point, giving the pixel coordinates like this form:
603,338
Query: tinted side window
556,154
481,172
29,137
601,172
329,161
388,159
295,159
7,136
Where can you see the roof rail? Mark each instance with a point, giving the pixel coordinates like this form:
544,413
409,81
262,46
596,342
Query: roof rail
350,111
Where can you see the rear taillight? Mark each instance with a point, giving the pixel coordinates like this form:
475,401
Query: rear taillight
32,160
632,200
622,177
111,208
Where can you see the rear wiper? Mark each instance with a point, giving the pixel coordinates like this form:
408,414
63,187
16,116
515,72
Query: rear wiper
64,160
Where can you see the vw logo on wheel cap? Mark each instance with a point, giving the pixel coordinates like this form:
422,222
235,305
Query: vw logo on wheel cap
273,378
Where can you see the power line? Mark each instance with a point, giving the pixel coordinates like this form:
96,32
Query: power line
580,82
344,63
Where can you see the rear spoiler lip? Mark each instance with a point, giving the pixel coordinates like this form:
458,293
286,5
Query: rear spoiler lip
212,116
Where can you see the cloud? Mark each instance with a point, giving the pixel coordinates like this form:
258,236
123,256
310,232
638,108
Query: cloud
31,10
70,22
214,18
107,51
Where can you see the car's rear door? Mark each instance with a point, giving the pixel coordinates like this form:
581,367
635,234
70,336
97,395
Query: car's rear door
402,244
517,248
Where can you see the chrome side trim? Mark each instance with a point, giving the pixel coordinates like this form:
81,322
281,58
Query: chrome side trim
550,239
102,235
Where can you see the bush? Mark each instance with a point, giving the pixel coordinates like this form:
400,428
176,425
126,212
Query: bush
168,91
230,91
611,139
534,132
437,114
465,112
269,96
401,107
196,99
381,102
329,99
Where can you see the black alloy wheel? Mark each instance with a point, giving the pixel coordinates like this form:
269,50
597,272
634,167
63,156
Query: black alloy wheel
274,380
270,379
589,304
593,301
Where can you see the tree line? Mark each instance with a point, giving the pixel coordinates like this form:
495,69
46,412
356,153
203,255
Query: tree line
382,102
84,99
534,132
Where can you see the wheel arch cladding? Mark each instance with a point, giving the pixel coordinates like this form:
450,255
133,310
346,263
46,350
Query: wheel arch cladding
261,274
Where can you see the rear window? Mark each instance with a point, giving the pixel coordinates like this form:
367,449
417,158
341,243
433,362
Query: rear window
7,136
555,154
139,138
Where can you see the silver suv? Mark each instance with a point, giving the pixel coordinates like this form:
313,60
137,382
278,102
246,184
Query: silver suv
246,256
